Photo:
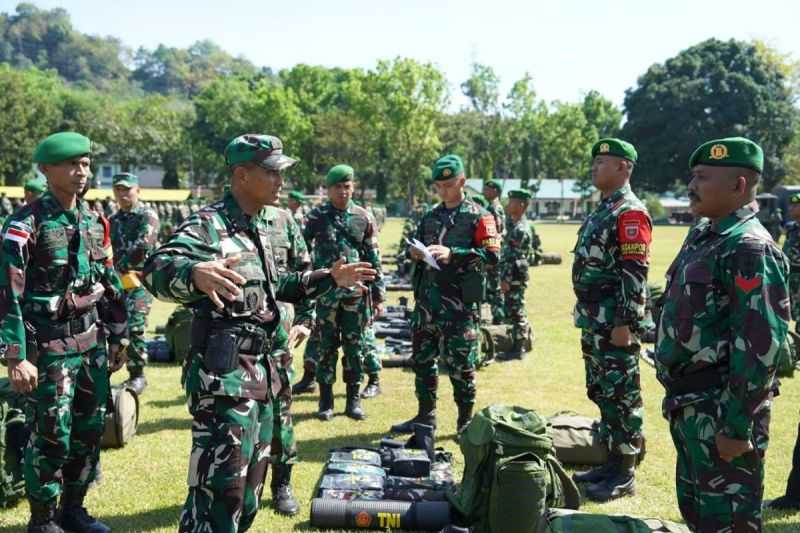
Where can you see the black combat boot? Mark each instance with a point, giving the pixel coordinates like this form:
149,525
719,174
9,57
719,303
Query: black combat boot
325,411
136,381
43,517
353,407
283,500
790,500
75,517
307,383
621,482
425,415
464,416
373,387
598,473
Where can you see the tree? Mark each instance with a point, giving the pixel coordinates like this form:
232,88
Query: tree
714,89
602,114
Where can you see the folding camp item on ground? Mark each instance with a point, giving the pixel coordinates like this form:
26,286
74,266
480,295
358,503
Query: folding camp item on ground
355,468
409,462
423,516
355,482
355,455
122,418
347,495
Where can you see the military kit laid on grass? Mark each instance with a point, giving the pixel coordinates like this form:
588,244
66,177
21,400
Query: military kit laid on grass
569,521
577,440
177,334
14,434
122,417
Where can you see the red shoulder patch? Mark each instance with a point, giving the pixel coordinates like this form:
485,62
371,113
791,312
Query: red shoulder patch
634,231
747,285
486,234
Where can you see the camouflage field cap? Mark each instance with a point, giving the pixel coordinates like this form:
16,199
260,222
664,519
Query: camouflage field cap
520,194
615,147
480,200
729,152
446,167
61,146
494,184
297,196
36,185
264,150
125,179
338,174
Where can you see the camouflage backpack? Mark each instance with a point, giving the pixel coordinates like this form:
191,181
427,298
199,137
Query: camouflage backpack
13,437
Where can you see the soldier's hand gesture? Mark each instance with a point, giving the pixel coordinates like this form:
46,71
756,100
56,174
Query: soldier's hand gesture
352,274
217,280
24,376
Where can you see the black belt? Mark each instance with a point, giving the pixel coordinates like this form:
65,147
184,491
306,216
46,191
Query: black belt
67,328
709,378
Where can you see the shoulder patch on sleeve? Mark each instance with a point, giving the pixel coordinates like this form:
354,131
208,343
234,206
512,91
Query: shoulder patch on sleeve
486,234
634,231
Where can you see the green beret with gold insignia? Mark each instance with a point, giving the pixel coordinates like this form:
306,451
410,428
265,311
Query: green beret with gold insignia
520,194
729,152
494,184
297,196
480,200
264,150
338,174
36,185
448,166
62,146
615,147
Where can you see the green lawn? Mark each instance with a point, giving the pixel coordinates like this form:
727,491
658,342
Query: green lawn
145,483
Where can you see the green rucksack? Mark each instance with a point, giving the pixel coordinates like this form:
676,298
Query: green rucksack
178,333
567,521
511,474
13,438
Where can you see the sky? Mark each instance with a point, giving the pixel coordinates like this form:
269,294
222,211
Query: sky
569,47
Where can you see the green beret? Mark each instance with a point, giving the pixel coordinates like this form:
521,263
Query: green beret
297,195
125,179
480,200
447,167
36,185
729,152
615,147
520,194
338,174
62,146
494,185
794,199
264,150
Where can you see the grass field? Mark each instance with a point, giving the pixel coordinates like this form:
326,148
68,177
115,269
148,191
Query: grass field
145,482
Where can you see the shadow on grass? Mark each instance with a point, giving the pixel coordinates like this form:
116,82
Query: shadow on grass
793,526
165,517
164,404
164,424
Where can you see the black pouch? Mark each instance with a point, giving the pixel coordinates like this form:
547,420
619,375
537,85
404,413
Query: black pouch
411,463
222,352
472,287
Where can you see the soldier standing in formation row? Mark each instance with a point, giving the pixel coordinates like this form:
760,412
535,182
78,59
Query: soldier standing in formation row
34,188
462,237
295,203
724,320
341,229
59,299
514,268
609,276
494,296
220,262
134,236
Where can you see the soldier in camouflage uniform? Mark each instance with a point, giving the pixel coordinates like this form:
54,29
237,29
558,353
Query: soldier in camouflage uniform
513,269
339,228
291,255
57,285
220,262
34,189
461,236
403,258
724,320
134,233
609,277
494,296
295,203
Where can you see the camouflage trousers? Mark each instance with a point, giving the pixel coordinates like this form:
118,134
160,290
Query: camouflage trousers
138,302
715,496
372,363
516,314
495,297
456,341
340,322
612,383
66,412
228,463
311,352
284,445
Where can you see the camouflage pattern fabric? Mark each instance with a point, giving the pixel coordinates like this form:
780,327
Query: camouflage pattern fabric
230,408
446,316
372,362
55,267
609,276
724,320
513,269
494,296
228,463
791,247
284,445
134,235
343,314
299,217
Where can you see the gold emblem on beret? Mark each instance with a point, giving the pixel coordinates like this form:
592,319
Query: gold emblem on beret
718,151
446,172
604,148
